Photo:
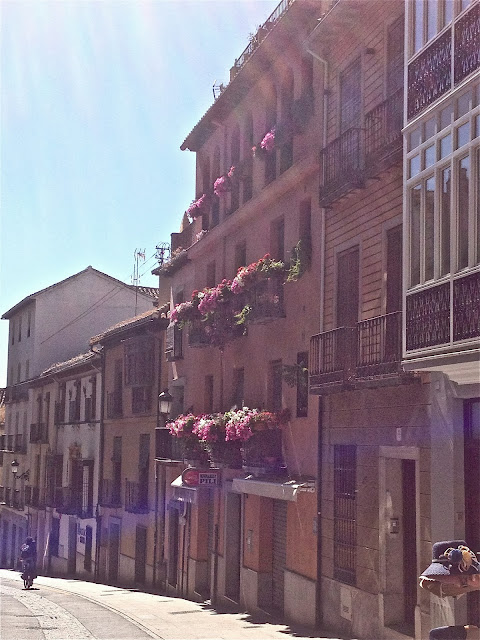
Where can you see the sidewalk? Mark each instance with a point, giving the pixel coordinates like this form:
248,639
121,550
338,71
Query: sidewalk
174,618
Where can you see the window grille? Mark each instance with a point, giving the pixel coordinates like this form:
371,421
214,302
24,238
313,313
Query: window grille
344,498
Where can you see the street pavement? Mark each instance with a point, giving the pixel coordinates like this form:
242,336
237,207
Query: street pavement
149,615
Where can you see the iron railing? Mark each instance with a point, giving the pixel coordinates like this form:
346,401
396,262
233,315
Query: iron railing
167,446
332,356
379,345
430,73
14,443
111,493
342,165
136,497
383,129
197,334
444,314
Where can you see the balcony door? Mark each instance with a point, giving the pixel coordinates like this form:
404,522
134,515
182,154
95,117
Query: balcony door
348,287
394,270
350,96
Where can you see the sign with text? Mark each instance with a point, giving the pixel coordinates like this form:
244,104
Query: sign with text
197,478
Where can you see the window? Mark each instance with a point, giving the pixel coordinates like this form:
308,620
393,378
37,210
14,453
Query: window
307,75
350,96
139,361
141,399
116,469
47,409
271,121
348,287
275,385
344,513
238,390
277,239
429,17
395,64
12,331
19,328
29,324
208,398
305,233
27,369
247,157
240,255
19,372
87,488
215,211
211,274
285,137
235,159
302,384
443,193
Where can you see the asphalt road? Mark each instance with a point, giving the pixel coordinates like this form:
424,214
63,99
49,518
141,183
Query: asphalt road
70,609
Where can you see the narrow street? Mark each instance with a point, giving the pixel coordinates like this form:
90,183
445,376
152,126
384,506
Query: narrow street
62,609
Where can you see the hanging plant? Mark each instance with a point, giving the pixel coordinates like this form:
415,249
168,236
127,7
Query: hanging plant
292,373
222,186
268,142
199,207
299,260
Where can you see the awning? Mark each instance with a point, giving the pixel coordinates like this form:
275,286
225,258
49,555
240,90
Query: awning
271,489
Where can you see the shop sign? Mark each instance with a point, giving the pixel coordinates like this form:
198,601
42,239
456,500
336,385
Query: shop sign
196,478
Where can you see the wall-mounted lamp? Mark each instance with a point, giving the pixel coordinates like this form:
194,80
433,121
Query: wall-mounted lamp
165,401
15,465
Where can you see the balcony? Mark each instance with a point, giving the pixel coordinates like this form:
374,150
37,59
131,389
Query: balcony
11,497
361,153
349,356
443,315
38,433
14,443
136,497
114,404
167,446
266,300
430,73
111,493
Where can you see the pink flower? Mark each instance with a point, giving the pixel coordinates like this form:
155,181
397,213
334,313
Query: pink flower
268,141
221,186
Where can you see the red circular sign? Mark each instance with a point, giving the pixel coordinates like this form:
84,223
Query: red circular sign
190,477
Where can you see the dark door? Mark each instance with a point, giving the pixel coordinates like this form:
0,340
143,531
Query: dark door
347,287
173,527
472,494
279,554
409,542
5,544
72,546
143,466
233,548
87,563
210,544
113,551
140,554
394,270
14,550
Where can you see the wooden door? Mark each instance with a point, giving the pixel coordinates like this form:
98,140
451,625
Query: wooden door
472,493
140,554
113,551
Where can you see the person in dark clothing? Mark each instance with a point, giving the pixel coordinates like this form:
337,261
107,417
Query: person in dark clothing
28,557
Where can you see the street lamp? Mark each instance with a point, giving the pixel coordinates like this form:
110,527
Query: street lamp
165,403
15,465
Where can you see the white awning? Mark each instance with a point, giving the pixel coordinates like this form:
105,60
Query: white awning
270,489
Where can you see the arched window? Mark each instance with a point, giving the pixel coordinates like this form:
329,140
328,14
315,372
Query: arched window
285,131
247,165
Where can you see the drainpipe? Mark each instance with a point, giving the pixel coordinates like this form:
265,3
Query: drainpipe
318,590
98,516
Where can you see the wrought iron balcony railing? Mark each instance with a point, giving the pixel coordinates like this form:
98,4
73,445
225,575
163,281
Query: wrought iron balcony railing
111,493
430,73
371,349
379,345
11,497
197,334
167,446
14,443
332,356
361,152
32,497
266,300
136,497
444,314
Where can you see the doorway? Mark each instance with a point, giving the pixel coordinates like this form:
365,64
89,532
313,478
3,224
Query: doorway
472,493
72,546
113,551
233,532
398,513
140,554
173,528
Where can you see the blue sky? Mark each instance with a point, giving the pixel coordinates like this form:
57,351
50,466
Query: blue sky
96,98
